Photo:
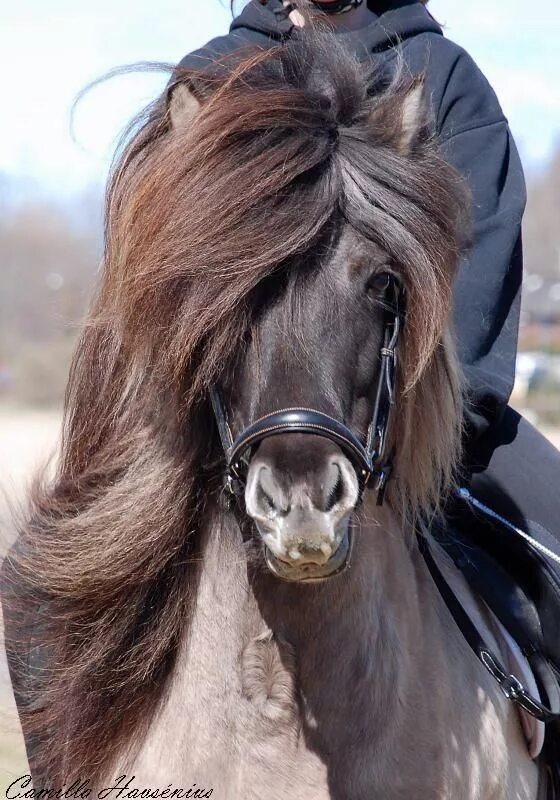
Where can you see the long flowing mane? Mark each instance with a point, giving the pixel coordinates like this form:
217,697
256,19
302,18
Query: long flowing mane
197,218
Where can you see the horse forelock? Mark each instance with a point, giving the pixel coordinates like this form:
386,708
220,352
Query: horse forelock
285,142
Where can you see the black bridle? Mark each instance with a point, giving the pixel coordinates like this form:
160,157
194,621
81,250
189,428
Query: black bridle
371,459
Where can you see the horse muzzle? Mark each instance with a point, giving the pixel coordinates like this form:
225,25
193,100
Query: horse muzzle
308,570
304,522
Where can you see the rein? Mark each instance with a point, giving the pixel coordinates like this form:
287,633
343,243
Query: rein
370,458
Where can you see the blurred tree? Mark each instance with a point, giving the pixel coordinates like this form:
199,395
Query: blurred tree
542,244
48,260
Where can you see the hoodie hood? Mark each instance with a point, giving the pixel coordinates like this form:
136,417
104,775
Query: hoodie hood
401,20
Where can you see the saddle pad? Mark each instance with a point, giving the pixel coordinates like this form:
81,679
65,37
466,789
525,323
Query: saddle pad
511,654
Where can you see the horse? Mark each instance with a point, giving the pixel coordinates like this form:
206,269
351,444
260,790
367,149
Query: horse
222,584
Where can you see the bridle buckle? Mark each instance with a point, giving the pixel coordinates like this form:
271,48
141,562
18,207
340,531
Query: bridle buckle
234,483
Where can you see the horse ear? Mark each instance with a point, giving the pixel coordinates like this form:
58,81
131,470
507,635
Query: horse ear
183,106
414,116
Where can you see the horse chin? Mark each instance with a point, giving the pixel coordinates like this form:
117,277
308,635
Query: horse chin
312,573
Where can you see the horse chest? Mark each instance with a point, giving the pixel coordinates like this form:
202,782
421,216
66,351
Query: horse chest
233,724
242,733
240,719
237,725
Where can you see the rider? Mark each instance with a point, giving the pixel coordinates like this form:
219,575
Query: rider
511,466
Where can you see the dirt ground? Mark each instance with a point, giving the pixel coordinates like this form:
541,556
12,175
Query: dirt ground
27,439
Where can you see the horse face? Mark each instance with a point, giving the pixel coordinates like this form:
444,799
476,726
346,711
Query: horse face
315,345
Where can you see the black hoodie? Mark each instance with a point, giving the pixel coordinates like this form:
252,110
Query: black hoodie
476,139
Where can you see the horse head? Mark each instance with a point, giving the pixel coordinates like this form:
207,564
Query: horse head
371,218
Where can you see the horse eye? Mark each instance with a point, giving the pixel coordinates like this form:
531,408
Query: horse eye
378,283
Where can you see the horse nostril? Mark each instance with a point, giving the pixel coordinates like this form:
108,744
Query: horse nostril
336,490
341,486
264,500
267,498
275,499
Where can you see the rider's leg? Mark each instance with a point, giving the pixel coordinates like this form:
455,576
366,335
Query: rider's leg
516,471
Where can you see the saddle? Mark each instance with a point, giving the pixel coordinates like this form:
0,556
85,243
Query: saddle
516,572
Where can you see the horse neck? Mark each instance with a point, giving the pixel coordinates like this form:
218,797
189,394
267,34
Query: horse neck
355,631
347,642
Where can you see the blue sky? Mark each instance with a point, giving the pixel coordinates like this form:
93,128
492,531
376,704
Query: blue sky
49,49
